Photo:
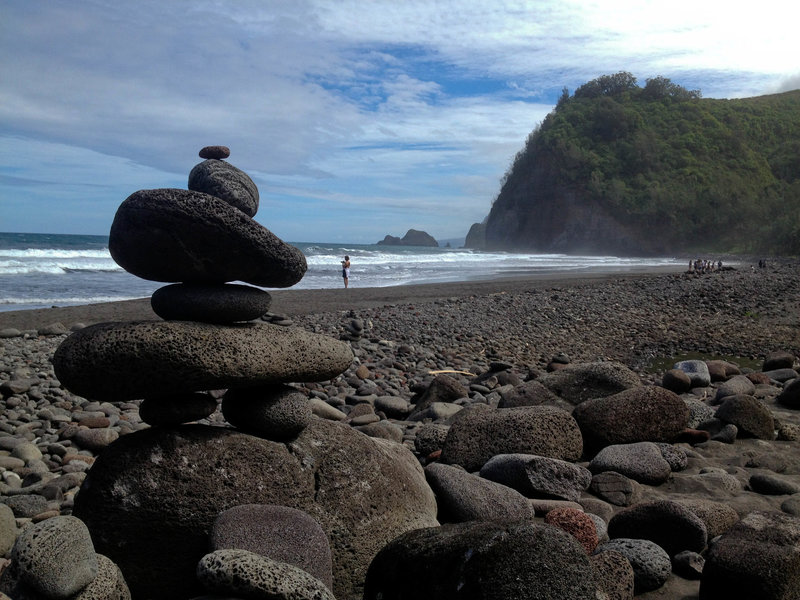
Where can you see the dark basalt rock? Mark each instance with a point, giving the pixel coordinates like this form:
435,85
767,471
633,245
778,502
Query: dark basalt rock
224,303
177,235
143,359
215,152
226,182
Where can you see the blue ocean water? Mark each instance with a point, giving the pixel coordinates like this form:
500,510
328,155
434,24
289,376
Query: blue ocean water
43,270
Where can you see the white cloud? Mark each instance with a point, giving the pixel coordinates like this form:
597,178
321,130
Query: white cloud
339,106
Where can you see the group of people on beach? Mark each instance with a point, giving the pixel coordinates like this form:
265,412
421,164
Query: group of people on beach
704,266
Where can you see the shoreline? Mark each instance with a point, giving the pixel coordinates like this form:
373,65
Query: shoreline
296,302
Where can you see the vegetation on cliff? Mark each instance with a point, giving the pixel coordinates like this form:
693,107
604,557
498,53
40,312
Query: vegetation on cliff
673,170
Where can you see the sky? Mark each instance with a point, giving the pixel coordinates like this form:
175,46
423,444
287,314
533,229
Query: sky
355,119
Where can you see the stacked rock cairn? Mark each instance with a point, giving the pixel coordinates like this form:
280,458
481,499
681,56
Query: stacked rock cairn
212,343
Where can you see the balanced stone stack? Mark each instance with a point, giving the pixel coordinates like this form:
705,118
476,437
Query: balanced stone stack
199,240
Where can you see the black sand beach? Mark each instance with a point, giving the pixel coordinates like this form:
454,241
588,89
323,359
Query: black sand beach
410,334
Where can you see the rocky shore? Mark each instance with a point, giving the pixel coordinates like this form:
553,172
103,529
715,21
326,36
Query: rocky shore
419,362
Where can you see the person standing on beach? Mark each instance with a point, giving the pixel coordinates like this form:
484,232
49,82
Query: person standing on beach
346,270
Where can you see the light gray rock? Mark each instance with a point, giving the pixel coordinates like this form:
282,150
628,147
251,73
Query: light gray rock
224,181
8,529
178,235
108,585
221,303
56,557
615,488
462,496
250,575
538,476
541,430
641,461
127,361
739,385
284,534
274,412
697,370
651,564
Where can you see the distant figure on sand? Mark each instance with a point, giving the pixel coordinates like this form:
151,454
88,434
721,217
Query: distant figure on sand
346,270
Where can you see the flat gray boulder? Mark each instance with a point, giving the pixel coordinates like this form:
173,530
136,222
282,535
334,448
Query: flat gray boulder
151,498
541,430
178,235
538,476
142,359
462,496
226,182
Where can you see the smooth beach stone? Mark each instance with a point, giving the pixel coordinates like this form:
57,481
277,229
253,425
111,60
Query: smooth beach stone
772,485
281,533
751,417
718,517
641,461
669,524
781,375
541,430
56,557
641,414
579,382
177,408
382,429
529,393
443,388
8,529
735,386
249,575
651,564
222,303
697,370
127,361
538,476
759,557
676,381
462,496
481,559
162,488
275,412
177,235
790,395
615,488
224,181
218,152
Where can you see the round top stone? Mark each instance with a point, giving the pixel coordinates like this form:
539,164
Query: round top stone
215,152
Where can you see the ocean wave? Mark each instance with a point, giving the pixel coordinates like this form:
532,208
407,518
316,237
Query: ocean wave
37,253
61,301
57,268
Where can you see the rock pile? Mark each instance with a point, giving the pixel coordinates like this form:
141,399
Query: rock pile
152,499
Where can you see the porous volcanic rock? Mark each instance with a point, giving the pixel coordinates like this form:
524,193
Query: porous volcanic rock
579,382
751,417
641,414
542,430
222,303
669,524
151,498
538,476
140,359
479,559
178,235
274,412
224,181
759,557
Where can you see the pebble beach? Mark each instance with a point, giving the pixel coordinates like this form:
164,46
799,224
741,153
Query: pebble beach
404,338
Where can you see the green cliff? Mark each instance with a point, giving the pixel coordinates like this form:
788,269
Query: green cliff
619,168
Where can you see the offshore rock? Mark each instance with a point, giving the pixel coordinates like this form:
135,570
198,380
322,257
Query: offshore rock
178,235
226,182
143,359
221,303
152,497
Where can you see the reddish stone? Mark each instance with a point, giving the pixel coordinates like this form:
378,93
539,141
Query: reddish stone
577,523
